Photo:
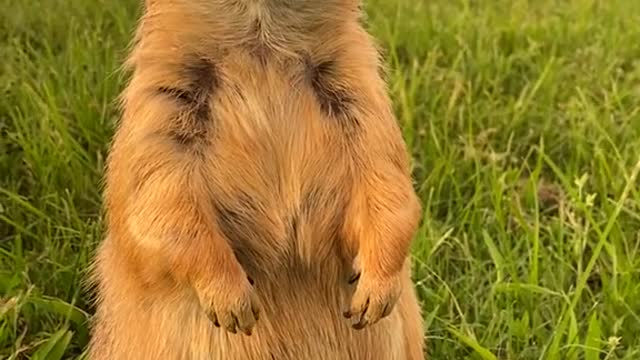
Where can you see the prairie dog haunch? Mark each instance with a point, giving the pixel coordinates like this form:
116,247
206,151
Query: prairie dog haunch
258,192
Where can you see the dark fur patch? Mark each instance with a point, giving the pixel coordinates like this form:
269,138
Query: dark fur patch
311,201
293,232
257,47
238,223
194,118
335,100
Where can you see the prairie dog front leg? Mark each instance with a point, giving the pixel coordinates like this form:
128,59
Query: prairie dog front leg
383,211
381,220
172,207
159,185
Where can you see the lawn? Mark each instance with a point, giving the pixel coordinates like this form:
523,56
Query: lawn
523,119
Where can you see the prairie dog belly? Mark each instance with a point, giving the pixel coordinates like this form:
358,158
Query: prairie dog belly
279,186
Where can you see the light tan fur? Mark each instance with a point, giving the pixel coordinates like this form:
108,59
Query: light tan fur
257,146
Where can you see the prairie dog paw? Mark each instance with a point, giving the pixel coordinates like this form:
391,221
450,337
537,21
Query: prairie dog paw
373,300
233,306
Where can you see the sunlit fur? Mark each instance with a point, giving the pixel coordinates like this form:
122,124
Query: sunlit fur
257,145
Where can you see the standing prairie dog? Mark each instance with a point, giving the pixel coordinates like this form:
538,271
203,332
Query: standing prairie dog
258,191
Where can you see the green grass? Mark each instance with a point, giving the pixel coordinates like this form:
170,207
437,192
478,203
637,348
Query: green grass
523,118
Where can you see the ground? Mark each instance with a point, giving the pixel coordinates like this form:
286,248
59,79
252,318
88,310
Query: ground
523,119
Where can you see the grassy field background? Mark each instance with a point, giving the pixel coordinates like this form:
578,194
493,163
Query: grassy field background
523,118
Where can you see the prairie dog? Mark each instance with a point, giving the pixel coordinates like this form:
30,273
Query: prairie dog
258,192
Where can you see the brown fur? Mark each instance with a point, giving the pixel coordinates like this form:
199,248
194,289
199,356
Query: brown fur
257,146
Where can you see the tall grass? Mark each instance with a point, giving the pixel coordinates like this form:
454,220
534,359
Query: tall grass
523,118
